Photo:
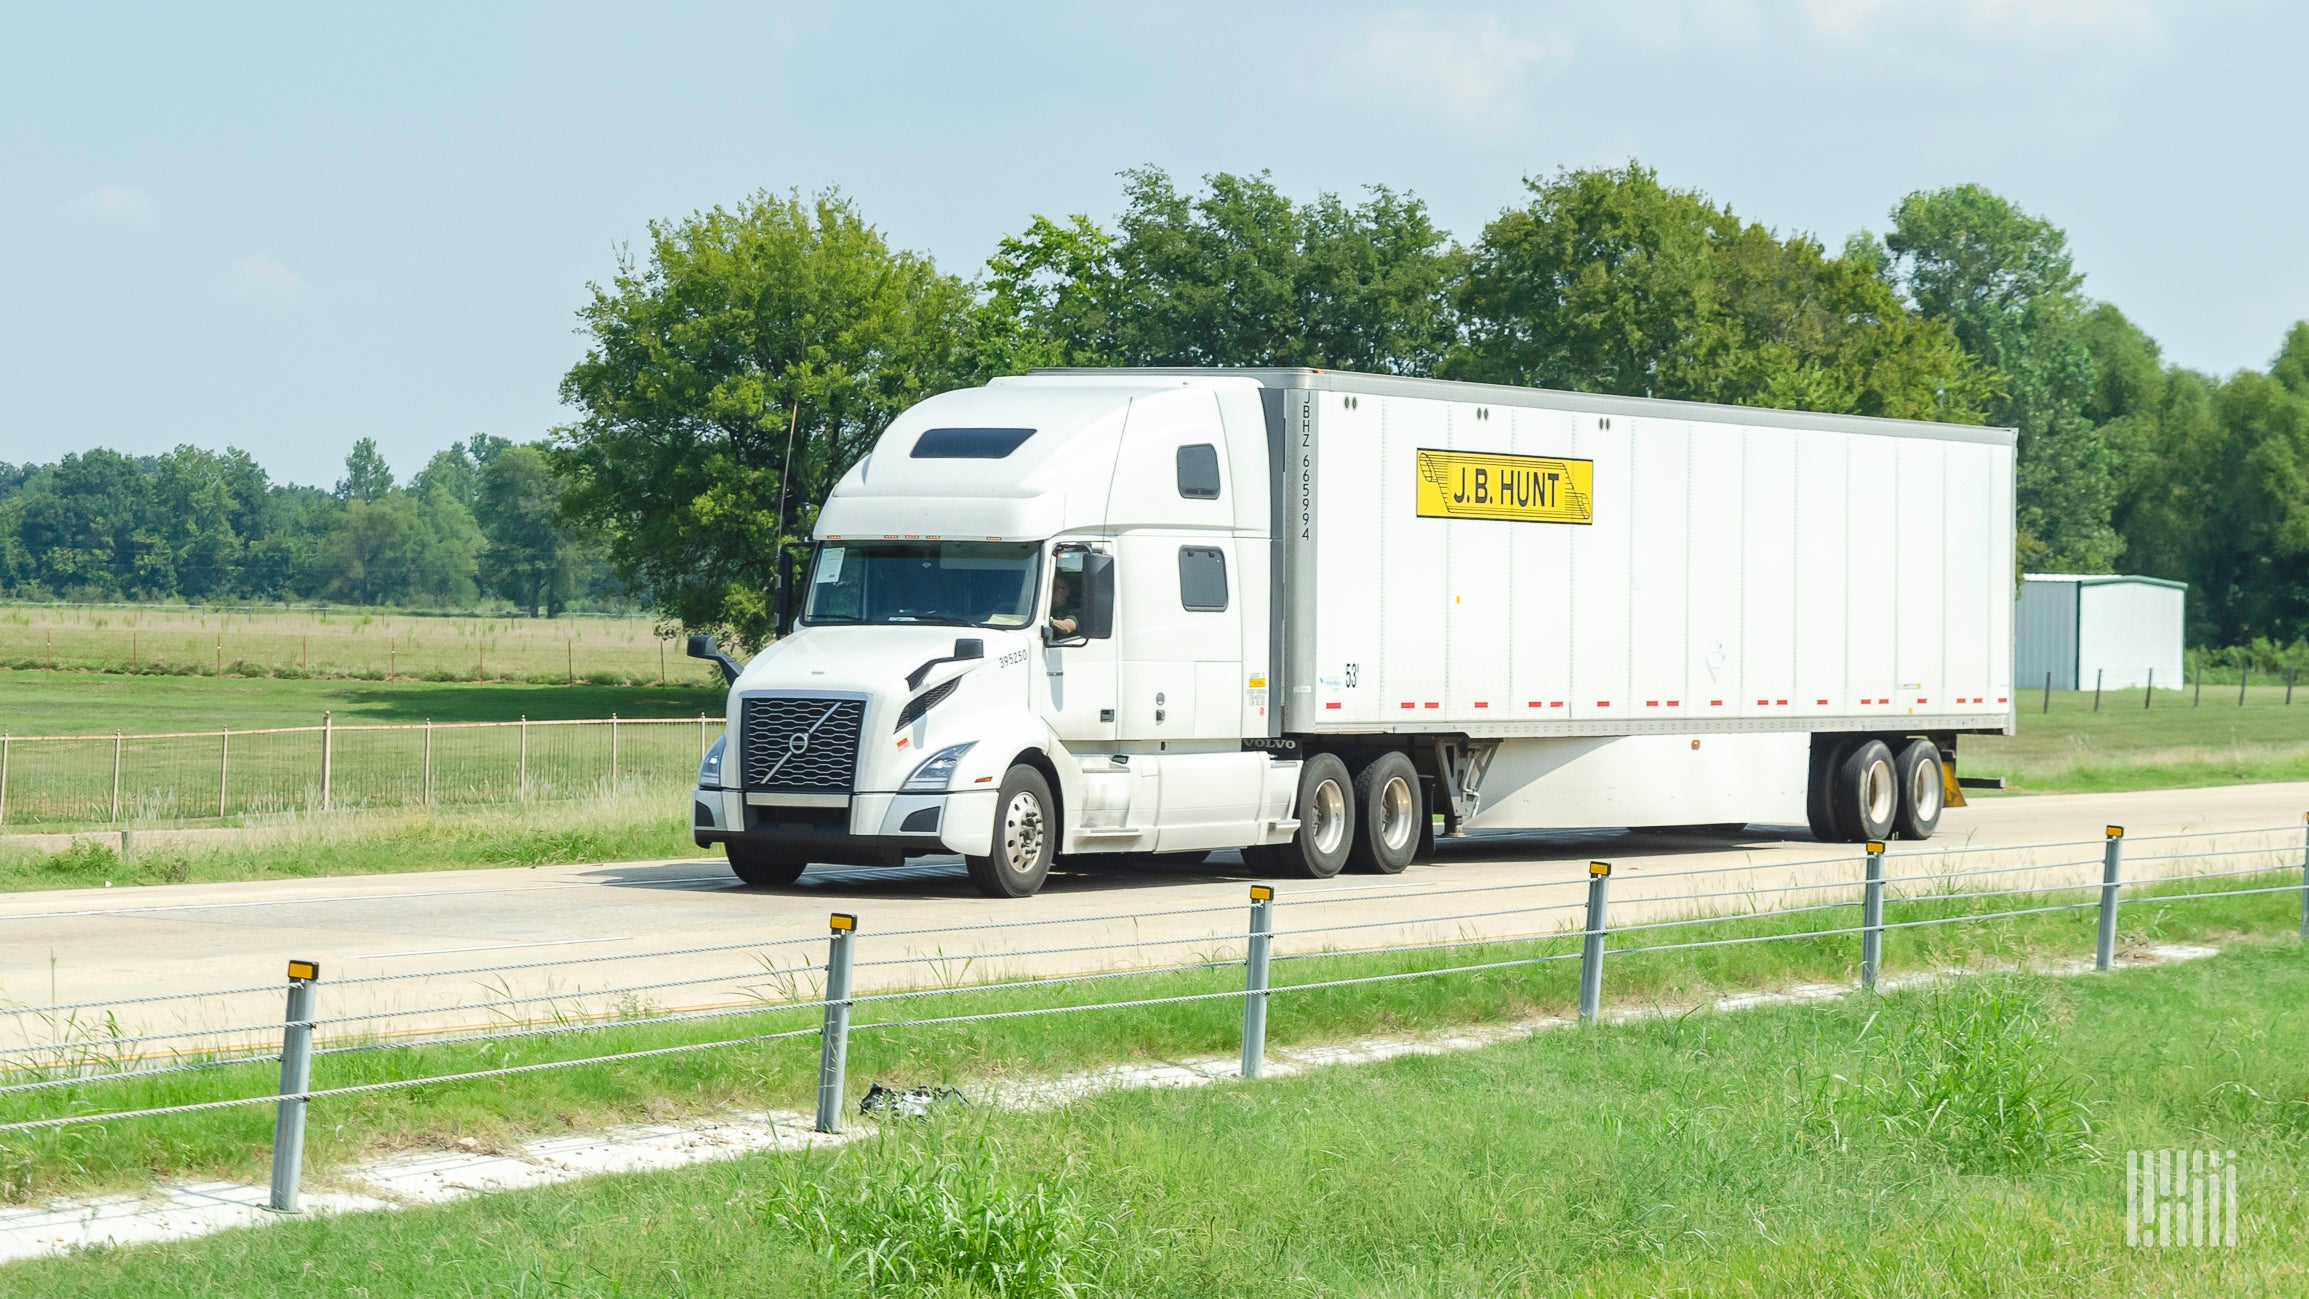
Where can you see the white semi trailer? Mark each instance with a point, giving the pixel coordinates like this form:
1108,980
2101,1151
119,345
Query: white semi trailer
1086,613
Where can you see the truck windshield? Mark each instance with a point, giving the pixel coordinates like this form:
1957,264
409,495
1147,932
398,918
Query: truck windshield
962,583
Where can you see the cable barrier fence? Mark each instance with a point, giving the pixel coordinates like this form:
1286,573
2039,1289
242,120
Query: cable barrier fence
824,988
73,780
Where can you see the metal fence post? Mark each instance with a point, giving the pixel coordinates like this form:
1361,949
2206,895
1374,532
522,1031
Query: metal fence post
2149,692
116,775
2047,709
2098,673
525,755
834,1039
2112,865
2305,879
3,778
428,762
1255,981
1872,919
224,757
2244,676
328,756
613,751
1591,948
2197,700
296,1080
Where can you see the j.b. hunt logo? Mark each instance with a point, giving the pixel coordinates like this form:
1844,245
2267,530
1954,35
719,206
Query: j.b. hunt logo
2181,1197
1489,485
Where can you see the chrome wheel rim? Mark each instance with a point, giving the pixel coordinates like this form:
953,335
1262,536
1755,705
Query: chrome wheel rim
1022,831
1397,817
1329,818
1924,790
1878,792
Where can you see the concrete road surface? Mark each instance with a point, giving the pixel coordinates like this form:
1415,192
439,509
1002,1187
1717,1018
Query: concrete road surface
593,937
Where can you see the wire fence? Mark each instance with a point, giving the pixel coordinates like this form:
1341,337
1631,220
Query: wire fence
66,1074
190,775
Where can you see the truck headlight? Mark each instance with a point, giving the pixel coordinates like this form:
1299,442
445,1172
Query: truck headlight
710,767
937,770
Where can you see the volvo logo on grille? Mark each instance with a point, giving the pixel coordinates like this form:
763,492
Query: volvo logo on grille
797,742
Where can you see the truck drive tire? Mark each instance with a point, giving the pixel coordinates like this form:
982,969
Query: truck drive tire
1921,795
1326,809
1025,837
1388,810
762,866
1865,797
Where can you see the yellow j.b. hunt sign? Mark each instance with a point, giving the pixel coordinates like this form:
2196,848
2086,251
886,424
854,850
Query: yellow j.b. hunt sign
1524,489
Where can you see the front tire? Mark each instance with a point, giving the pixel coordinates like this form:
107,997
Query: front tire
1921,792
1388,810
1866,795
1025,837
763,867
1326,809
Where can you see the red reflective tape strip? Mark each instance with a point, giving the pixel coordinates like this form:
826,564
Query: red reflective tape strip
1408,704
1480,703
1715,703
1823,703
1331,705
1434,705
1651,703
1675,703
1603,703
1781,703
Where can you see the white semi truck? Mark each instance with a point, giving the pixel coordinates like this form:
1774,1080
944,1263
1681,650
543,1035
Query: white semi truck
1087,613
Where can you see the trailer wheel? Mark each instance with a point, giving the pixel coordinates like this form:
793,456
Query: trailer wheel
1820,794
1867,794
1025,837
763,867
1326,810
1920,790
1387,814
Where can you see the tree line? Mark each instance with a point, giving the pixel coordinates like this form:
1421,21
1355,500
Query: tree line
745,356
741,361
481,520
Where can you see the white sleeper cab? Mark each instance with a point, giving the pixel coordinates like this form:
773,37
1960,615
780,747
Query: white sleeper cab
1086,613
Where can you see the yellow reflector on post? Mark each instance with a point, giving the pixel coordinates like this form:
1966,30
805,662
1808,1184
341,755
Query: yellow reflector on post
1875,846
1599,868
1262,893
2116,832
305,970
842,921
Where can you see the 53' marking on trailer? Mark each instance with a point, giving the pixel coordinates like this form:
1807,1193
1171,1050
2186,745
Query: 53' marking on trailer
1520,489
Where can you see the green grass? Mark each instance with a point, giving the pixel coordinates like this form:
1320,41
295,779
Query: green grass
629,825
39,702
2170,744
1968,1139
235,1143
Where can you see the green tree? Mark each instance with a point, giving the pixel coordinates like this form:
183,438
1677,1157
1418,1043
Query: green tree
532,559
2003,279
1236,275
738,325
367,476
1608,281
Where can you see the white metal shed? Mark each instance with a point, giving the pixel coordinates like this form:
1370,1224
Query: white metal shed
2124,628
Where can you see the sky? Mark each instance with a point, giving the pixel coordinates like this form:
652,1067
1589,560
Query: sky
286,228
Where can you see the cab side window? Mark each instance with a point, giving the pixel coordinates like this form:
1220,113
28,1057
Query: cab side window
1202,579
1066,592
1199,472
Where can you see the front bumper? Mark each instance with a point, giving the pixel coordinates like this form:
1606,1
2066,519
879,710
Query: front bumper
863,830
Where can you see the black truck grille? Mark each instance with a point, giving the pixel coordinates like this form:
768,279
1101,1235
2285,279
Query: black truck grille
800,746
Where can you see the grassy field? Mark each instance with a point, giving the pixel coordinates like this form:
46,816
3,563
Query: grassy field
39,702
235,1143
630,824
1963,1139
160,640
2169,744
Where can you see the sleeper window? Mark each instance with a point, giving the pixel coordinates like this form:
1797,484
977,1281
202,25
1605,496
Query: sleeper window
1199,472
1202,579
